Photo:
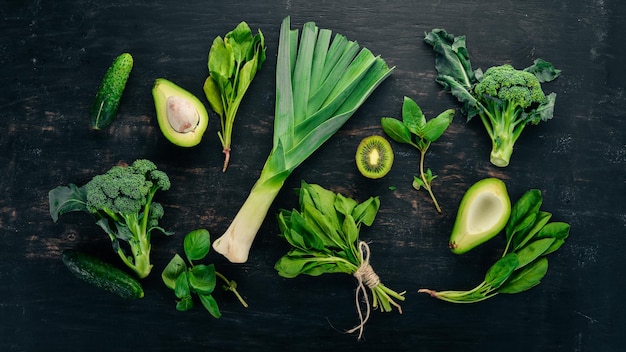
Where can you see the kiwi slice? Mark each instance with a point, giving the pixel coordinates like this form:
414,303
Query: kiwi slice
374,157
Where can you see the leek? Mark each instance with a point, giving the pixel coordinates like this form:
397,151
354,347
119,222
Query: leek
320,82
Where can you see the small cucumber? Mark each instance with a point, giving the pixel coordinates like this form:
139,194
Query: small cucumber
104,108
102,275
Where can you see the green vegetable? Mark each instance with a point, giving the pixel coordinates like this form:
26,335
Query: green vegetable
319,86
530,237
121,201
199,278
324,234
182,117
416,131
101,274
104,109
505,99
483,213
233,63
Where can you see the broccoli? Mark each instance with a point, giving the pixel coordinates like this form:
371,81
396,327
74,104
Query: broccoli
505,99
121,201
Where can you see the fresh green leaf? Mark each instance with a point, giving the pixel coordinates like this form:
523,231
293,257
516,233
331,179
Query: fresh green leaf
435,127
396,130
533,250
529,277
202,278
181,286
527,205
557,230
197,244
65,199
520,239
184,304
172,271
501,270
365,212
210,305
344,205
412,116
350,230
543,70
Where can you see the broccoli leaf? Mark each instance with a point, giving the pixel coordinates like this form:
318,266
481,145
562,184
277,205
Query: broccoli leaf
65,199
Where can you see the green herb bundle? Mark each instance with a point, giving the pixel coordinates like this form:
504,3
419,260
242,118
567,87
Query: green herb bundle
320,83
530,238
325,237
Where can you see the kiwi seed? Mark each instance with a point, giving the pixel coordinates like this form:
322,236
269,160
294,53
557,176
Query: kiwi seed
374,157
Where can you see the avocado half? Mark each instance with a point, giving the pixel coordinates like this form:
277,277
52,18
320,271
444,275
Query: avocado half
182,118
483,213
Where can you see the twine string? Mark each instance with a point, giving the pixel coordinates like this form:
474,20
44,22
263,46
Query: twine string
366,278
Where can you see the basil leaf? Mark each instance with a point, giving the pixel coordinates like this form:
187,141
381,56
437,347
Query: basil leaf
396,130
185,304
210,305
501,270
197,244
181,286
172,271
202,278
412,116
435,127
526,278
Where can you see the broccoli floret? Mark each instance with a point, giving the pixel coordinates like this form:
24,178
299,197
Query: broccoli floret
506,99
121,200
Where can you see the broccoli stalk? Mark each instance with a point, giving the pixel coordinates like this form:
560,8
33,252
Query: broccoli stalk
505,99
121,201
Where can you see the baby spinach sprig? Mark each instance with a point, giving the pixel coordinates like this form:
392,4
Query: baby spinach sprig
196,278
530,238
233,62
416,131
324,235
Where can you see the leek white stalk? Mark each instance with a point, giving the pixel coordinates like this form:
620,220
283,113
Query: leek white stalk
320,83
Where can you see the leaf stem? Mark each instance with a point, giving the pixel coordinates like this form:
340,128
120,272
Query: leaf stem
232,286
426,181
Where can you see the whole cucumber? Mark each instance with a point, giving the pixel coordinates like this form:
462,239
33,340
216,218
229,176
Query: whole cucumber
102,275
104,108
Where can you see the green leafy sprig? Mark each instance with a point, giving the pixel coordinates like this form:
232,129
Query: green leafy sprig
233,62
416,131
530,237
324,234
196,278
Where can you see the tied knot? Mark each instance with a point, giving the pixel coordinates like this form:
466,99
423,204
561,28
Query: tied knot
365,276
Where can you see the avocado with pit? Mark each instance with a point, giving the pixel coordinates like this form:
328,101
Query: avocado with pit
182,118
483,213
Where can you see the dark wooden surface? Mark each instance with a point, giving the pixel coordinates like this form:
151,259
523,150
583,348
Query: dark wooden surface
53,55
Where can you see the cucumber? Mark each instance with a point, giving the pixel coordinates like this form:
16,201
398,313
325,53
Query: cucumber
104,108
102,275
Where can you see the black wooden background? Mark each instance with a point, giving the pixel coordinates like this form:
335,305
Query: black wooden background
54,53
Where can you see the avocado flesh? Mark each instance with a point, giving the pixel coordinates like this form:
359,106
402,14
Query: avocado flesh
182,118
483,213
